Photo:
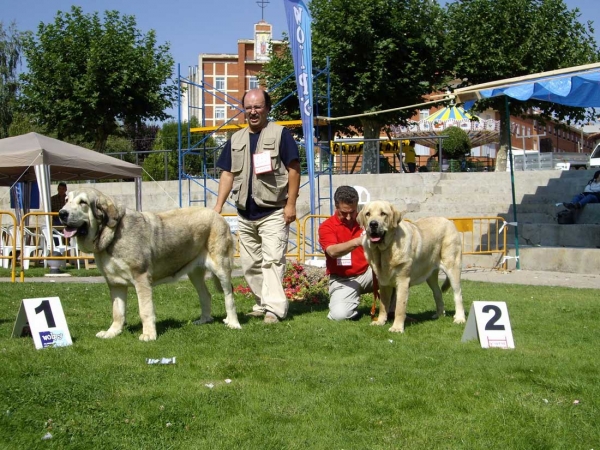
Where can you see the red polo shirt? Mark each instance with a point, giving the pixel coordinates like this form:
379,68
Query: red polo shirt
333,231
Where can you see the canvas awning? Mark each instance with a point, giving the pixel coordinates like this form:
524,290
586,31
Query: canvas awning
35,157
577,86
67,162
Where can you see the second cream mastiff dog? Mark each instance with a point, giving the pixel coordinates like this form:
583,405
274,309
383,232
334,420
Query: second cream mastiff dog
404,254
142,249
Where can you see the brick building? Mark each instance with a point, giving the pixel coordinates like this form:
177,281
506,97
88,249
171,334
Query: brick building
220,80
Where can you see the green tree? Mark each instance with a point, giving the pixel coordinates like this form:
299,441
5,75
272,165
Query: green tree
278,76
457,144
194,163
384,54
11,41
491,40
89,76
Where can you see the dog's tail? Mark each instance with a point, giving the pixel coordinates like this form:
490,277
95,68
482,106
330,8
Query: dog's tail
446,285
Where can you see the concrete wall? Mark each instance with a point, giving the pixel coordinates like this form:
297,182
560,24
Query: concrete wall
432,194
420,194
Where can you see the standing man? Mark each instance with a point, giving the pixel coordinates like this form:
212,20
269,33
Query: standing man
350,275
410,156
57,202
261,171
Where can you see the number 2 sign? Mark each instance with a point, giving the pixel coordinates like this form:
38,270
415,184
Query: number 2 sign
46,322
489,321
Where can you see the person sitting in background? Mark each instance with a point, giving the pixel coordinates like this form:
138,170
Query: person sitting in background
590,194
58,201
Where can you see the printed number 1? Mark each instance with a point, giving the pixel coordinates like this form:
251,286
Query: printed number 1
491,325
45,306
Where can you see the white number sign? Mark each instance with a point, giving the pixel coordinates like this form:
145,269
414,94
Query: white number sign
489,322
44,319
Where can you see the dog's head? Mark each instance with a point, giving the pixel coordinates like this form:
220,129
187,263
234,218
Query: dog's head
87,212
379,219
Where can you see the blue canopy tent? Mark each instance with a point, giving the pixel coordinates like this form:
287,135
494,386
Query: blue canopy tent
577,86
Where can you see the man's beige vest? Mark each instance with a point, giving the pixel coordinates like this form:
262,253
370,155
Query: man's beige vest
268,189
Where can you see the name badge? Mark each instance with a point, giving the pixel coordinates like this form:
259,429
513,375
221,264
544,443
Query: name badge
345,260
262,163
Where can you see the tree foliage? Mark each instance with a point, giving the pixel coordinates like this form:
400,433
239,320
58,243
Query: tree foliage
278,77
491,40
202,156
457,144
88,76
383,54
11,41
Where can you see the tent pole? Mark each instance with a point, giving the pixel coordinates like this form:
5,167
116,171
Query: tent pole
138,194
512,181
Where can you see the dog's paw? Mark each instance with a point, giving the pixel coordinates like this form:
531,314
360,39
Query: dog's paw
459,319
233,324
397,329
378,323
203,320
145,337
437,316
107,334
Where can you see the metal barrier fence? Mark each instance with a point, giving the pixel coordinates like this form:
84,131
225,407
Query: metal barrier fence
36,242
480,236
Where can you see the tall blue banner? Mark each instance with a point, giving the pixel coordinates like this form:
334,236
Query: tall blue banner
299,20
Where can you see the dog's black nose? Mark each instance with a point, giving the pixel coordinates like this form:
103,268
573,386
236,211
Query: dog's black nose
373,224
63,215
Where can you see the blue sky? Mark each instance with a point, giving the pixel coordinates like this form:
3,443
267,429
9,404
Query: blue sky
194,27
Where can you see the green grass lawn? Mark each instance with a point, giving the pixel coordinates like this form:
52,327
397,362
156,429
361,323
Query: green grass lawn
305,383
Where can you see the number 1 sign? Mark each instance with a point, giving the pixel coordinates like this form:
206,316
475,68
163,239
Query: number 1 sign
46,321
489,321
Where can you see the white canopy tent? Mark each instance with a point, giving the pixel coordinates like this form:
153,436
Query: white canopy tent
34,157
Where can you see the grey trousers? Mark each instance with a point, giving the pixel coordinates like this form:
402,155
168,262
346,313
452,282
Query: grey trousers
345,292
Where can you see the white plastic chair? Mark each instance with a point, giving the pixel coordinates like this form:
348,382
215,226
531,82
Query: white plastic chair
5,246
28,250
58,243
363,195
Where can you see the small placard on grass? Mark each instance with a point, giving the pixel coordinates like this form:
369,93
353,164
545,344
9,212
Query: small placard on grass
44,320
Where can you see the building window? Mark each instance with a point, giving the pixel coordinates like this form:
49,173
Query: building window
219,112
423,114
220,83
253,82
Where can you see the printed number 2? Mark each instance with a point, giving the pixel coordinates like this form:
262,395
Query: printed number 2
491,325
45,306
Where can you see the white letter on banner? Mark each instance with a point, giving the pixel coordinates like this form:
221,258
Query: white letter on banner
298,14
307,109
300,35
303,80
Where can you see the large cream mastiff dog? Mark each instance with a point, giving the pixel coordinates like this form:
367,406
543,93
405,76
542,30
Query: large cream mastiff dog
144,249
404,254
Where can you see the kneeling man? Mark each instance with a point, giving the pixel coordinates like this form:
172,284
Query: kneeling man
349,273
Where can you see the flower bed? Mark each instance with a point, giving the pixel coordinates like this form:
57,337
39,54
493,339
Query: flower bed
301,283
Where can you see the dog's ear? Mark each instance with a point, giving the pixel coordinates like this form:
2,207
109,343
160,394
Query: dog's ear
396,215
106,211
361,216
